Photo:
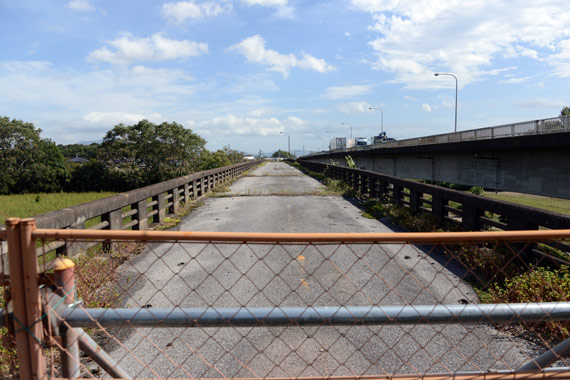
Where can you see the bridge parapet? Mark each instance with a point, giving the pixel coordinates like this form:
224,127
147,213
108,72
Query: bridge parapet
139,208
473,212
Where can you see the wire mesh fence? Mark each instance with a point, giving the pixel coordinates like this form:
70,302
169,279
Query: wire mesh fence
191,305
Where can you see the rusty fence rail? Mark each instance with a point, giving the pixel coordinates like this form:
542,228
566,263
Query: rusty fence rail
151,304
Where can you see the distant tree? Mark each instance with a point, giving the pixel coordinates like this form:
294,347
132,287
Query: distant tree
79,150
212,160
28,163
233,155
282,154
147,153
565,111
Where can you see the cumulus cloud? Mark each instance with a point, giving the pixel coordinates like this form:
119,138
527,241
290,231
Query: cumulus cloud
346,92
241,126
80,5
426,107
253,48
183,10
128,49
71,106
414,36
354,107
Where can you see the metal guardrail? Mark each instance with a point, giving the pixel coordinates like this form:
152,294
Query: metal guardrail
274,306
525,128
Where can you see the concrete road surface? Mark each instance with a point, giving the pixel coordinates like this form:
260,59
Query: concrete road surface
273,198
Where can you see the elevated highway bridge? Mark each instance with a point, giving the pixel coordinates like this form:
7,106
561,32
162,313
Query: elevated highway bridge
530,157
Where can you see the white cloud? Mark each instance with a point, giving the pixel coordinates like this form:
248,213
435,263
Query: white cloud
426,107
346,92
181,11
418,37
114,118
128,49
80,5
411,98
355,107
239,126
561,60
515,80
266,3
71,106
253,48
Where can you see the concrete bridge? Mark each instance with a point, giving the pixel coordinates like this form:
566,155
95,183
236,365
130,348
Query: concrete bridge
279,198
531,157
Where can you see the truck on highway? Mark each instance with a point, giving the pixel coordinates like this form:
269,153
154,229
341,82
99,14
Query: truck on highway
382,138
337,143
357,141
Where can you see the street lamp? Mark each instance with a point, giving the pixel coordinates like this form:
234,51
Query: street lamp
350,128
382,114
288,142
451,75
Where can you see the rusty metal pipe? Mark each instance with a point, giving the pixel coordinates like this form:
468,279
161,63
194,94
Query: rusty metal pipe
407,237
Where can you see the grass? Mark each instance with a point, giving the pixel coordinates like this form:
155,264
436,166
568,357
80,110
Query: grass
28,205
551,204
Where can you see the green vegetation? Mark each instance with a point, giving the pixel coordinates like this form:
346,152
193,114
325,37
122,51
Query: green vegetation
129,157
282,154
27,205
552,204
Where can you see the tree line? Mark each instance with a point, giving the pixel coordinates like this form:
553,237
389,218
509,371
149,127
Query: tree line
129,157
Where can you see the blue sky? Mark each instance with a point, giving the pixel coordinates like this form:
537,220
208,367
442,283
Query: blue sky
239,72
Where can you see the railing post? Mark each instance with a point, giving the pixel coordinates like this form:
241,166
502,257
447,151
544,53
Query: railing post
114,218
26,298
194,189
160,207
202,186
470,217
142,215
186,193
373,190
414,199
175,200
397,193
437,207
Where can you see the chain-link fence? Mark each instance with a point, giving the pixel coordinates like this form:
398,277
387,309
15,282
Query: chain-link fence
231,305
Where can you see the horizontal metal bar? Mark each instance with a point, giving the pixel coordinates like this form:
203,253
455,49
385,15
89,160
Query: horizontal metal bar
435,237
305,316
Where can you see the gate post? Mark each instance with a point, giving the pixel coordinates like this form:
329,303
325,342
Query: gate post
26,298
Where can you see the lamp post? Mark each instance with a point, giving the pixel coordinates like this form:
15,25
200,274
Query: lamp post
382,115
350,128
288,142
451,75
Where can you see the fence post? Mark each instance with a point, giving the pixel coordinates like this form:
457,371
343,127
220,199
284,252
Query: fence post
470,217
26,298
186,193
160,207
202,186
194,189
64,271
